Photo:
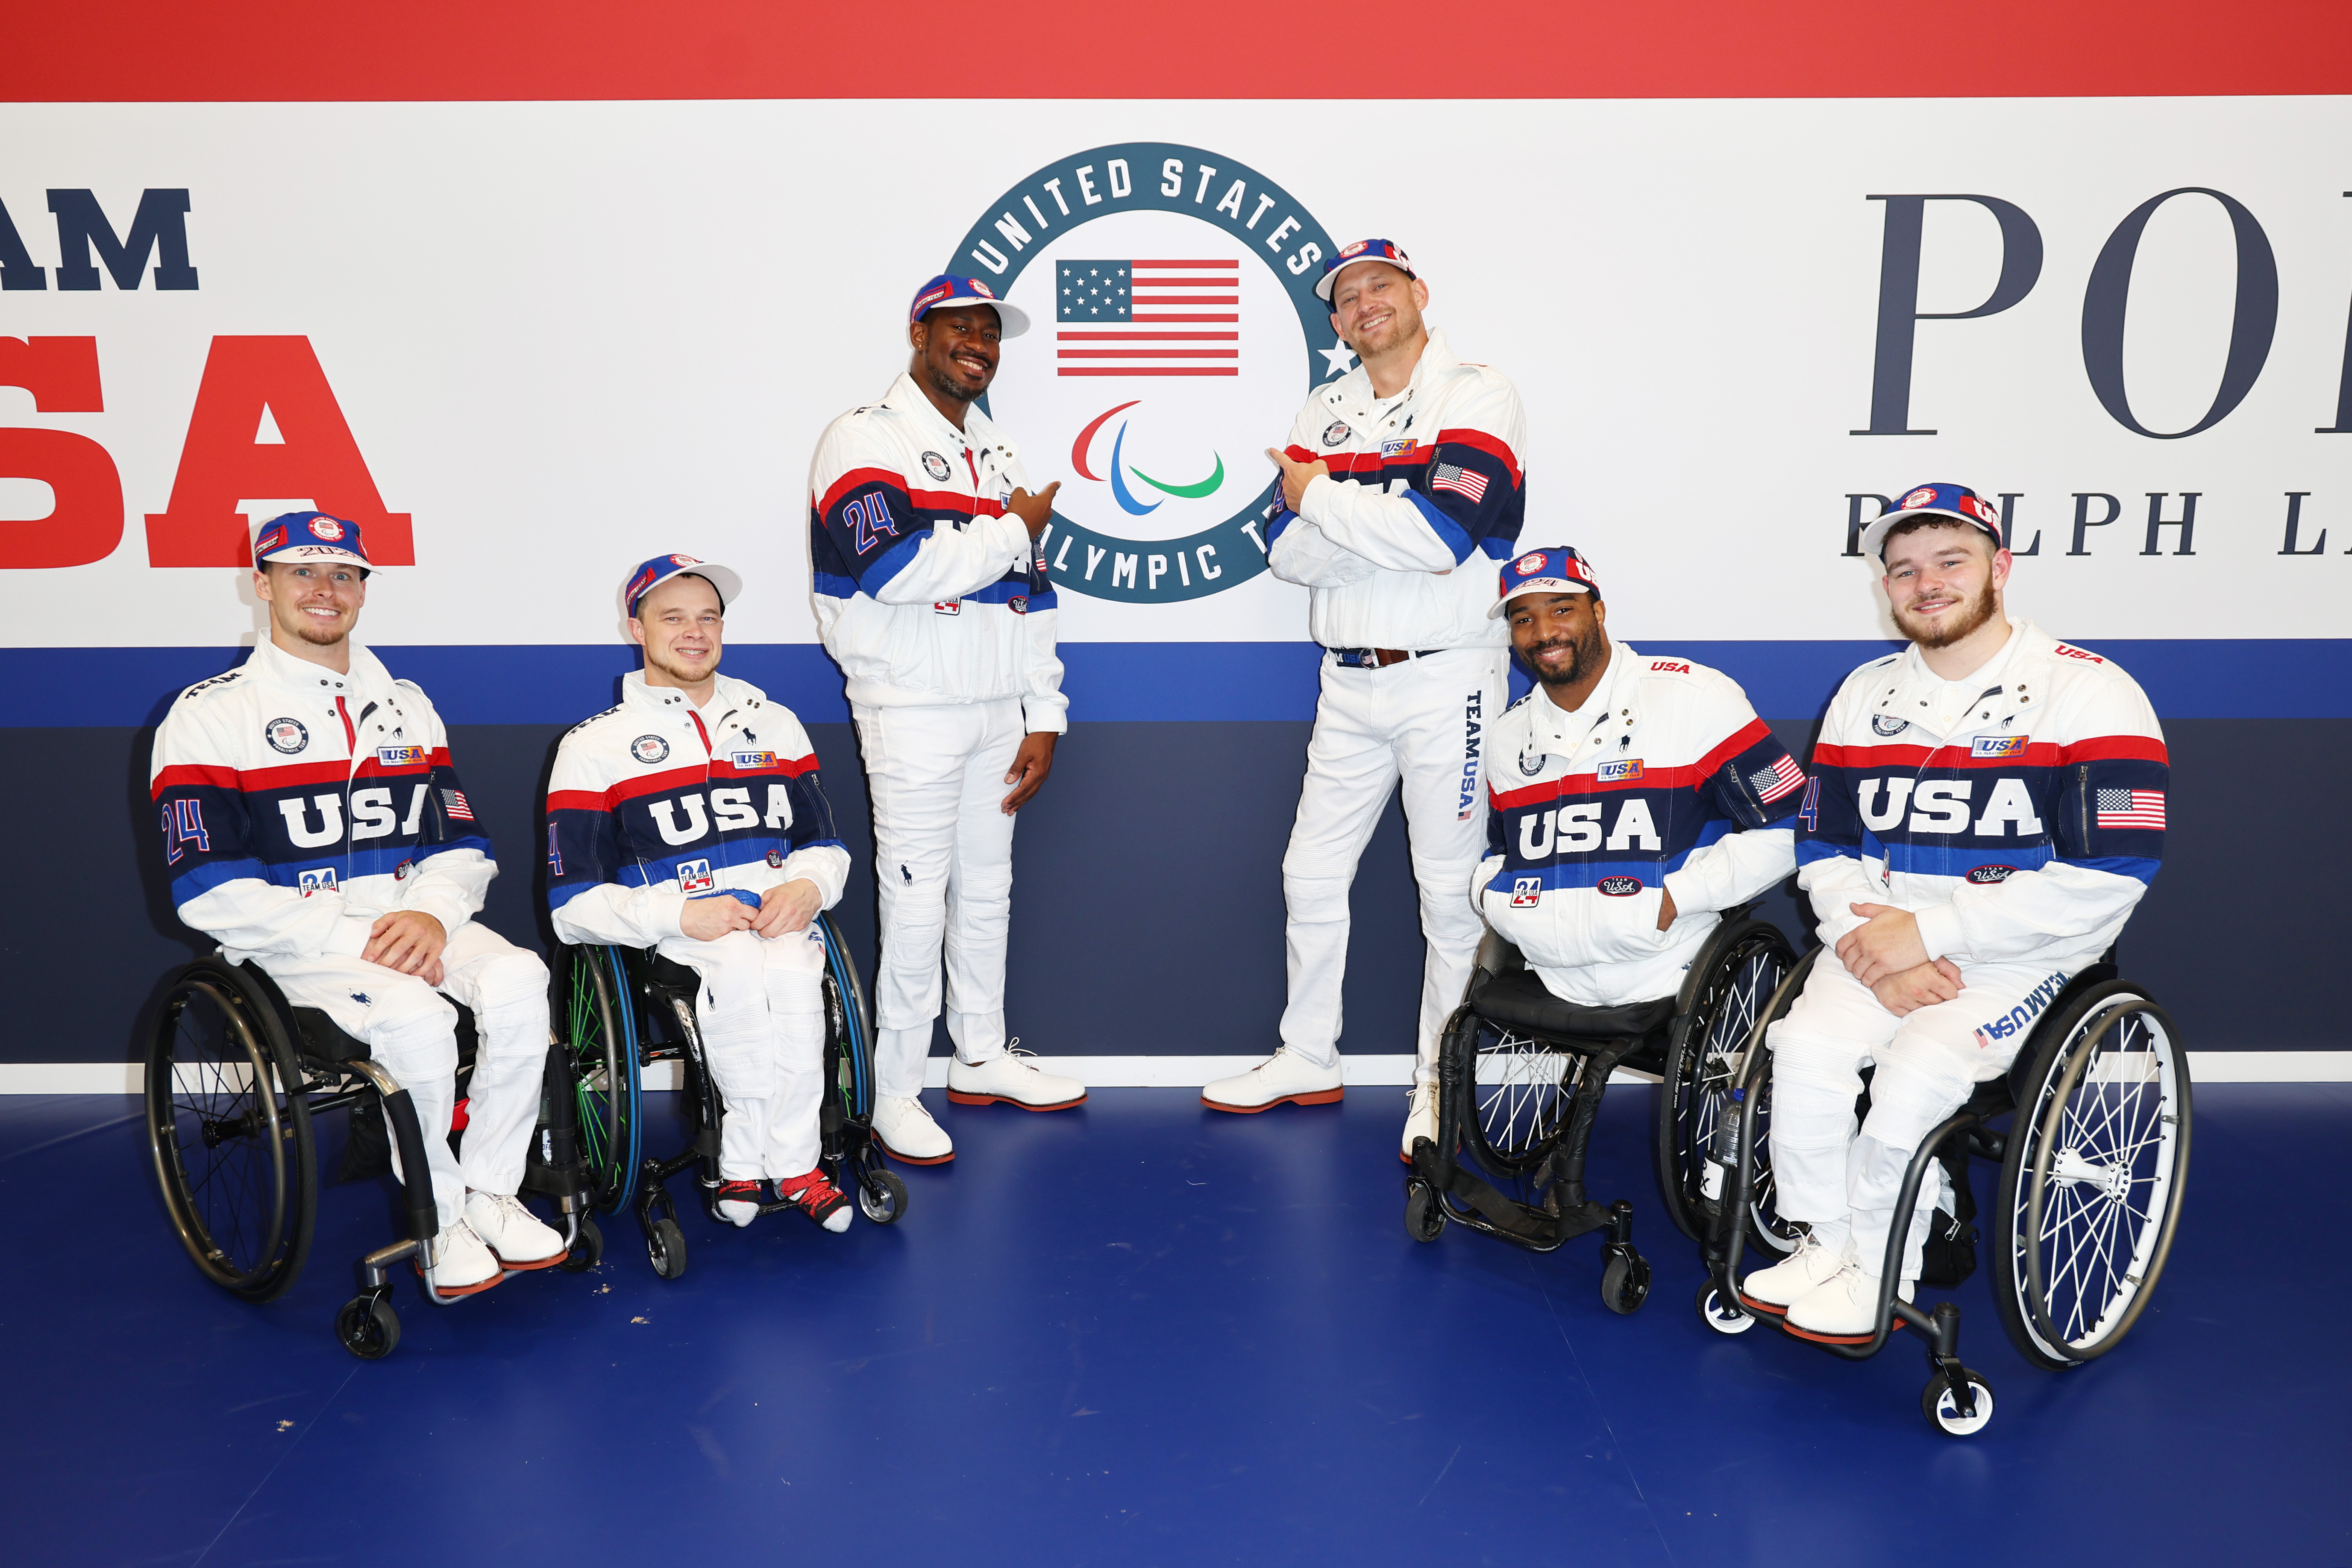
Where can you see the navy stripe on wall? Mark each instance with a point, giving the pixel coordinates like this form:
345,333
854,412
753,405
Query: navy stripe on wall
561,683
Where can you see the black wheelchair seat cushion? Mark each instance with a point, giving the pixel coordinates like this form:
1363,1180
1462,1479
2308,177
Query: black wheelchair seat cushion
317,1036
1520,1001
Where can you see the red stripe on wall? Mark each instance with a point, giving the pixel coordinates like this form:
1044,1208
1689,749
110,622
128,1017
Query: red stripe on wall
282,50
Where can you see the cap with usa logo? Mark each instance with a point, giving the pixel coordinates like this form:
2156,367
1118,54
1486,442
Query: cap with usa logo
1560,570
1362,250
310,536
1956,501
948,288
651,574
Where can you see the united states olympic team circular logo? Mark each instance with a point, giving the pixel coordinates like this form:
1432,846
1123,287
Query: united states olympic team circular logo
1174,333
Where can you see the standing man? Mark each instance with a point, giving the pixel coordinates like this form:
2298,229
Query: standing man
1400,488
688,819
1987,808
921,534
314,825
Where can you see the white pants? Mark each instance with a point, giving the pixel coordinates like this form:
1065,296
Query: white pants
761,1018
943,861
1424,721
411,1033
1929,1062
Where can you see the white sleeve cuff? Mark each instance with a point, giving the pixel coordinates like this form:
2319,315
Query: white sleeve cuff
1940,929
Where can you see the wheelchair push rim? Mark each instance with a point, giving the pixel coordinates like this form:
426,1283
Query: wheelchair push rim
599,1020
228,1128
2100,1176
1703,1068
1522,1091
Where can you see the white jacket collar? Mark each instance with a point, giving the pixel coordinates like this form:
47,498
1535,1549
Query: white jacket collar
368,677
1614,692
726,692
978,431
1994,671
1354,390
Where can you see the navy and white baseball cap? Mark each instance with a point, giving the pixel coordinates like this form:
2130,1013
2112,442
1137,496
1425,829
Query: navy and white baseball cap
653,574
310,536
1561,570
1362,250
948,288
1956,501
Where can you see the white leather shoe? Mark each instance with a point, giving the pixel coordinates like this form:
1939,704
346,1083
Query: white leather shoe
1281,1078
516,1238
1420,1118
1795,1277
907,1133
1843,1309
462,1266
1012,1078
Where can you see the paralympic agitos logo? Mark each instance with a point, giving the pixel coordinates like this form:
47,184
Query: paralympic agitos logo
1174,333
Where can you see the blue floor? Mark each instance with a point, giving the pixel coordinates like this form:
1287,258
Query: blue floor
1141,1333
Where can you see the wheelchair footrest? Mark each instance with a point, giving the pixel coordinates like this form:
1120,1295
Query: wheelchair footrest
1490,1210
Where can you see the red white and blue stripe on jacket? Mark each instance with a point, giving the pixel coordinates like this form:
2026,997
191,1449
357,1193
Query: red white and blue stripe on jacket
1466,484
319,823
685,817
1623,824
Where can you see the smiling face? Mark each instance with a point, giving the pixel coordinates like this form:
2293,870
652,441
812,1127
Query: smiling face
678,624
956,350
1375,308
313,602
1943,581
1562,638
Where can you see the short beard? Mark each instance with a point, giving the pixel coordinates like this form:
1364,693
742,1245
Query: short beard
311,633
1587,654
947,387
680,673
1956,625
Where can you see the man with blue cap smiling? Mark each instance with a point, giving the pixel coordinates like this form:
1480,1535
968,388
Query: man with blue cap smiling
313,822
921,539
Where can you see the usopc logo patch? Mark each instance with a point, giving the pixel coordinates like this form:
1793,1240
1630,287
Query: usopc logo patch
286,735
1179,285
649,749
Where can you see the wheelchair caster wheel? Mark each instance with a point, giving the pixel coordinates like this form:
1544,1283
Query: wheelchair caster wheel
1942,1412
368,1327
665,1248
1716,1316
1424,1217
586,1252
1625,1281
885,1206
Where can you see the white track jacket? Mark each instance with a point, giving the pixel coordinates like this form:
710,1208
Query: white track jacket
654,801
2019,815
922,592
298,806
1664,781
1424,495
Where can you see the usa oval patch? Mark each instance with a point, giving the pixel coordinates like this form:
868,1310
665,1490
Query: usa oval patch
1618,887
1985,875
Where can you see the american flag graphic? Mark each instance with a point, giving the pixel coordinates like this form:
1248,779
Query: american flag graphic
1148,317
455,799
1462,481
2127,808
1778,780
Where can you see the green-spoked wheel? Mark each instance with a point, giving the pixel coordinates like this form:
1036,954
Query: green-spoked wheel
592,1009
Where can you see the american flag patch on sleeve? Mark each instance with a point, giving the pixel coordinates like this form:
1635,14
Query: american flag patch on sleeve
454,799
1462,481
1778,780
2141,808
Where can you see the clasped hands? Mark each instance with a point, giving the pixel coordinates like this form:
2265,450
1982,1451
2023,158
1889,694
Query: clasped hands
783,909
1884,952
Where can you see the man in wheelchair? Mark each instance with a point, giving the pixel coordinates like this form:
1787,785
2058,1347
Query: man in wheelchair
689,820
1987,808
1630,799
314,825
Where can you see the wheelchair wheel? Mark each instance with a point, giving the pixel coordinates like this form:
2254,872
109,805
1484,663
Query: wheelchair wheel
1521,1092
849,1033
883,1202
228,1125
594,1011
368,1327
1702,1059
2092,1178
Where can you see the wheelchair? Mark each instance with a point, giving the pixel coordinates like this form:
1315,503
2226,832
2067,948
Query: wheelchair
620,1010
235,1078
1521,1077
2094,1164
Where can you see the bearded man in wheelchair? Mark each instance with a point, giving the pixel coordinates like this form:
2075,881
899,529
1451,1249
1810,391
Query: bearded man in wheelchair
1987,808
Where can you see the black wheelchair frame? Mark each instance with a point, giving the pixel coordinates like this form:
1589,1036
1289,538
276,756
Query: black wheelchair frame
235,1077
610,1044
1686,1039
2095,1010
